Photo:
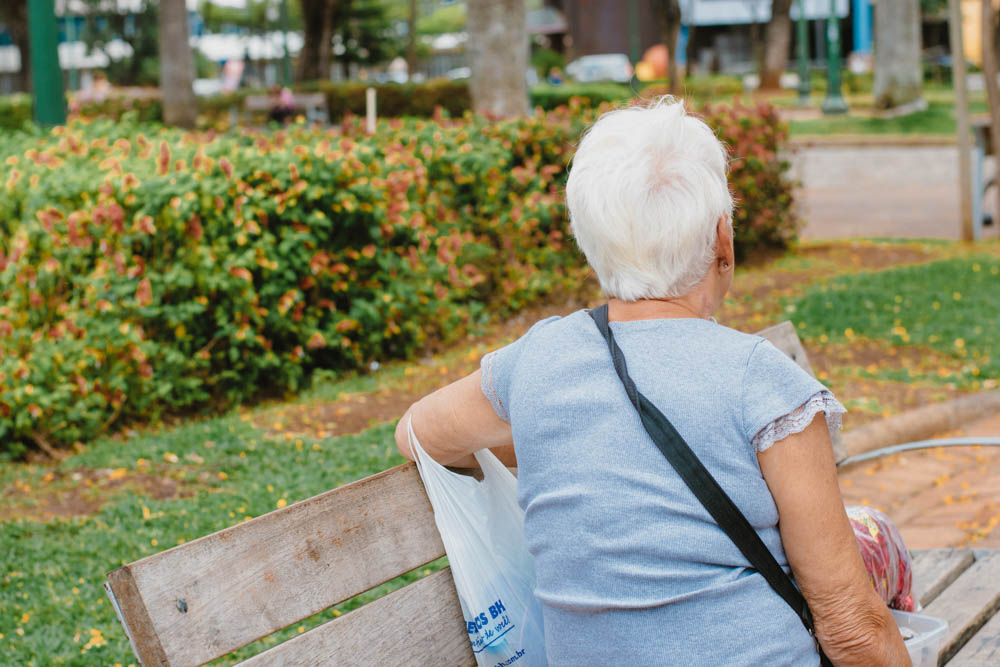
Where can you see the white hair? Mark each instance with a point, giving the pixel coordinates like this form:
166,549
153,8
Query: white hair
645,193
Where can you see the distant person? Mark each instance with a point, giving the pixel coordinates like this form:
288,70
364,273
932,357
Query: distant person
556,76
283,105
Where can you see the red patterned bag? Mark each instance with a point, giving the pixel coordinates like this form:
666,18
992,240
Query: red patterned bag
885,556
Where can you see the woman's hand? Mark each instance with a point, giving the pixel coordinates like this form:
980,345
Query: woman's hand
853,625
454,422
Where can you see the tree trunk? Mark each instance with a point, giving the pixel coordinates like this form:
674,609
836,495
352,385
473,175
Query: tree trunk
176,65
989,21
15,14
898,75
777,41
690,55
316,56
325,61
498,56
669,13
411,45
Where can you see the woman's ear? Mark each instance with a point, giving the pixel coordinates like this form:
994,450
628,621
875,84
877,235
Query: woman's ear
725,254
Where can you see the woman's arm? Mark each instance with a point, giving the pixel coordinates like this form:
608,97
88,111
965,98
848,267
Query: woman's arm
454,422
853,625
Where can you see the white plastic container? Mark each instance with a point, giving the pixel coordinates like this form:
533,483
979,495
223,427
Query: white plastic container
925,641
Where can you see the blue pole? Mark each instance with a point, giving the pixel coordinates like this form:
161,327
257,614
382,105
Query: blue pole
862,20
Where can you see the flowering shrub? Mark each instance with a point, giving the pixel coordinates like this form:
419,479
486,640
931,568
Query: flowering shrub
755,137
145,270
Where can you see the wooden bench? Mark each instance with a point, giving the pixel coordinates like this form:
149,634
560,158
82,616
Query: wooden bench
203,599
313,105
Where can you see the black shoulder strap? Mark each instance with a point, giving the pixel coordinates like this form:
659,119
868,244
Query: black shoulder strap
703,485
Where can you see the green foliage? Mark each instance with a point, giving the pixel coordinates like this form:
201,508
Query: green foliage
949,306
443,20
254,16
171,272
547,96
137,24
544,60
148,271
701,88
394,99
763,194
15,111
364,30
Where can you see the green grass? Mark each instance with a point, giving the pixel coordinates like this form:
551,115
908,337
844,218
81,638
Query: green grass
937,119
951,306
51,581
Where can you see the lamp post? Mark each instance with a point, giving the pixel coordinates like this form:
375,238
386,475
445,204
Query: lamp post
46,77
802,49
834,102
633,32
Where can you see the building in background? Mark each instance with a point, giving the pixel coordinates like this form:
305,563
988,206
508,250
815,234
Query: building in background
725,32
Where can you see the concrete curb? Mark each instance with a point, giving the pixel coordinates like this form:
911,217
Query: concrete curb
870,140
921,423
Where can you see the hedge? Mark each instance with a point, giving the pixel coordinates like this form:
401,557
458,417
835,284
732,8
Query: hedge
394,100
146,271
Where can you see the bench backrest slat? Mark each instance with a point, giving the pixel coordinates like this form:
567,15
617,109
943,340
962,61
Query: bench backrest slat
420,624
302,101
784,337
257,577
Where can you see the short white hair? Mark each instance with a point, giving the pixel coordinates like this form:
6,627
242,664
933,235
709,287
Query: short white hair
646,190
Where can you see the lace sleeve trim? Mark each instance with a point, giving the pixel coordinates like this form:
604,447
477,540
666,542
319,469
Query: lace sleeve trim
490,390
796,420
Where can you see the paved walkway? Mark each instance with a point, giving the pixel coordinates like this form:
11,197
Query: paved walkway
942,497
899,191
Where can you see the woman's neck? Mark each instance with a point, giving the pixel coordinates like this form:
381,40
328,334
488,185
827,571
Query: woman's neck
693,305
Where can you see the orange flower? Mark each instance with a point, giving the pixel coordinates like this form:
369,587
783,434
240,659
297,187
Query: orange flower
144,292
316,341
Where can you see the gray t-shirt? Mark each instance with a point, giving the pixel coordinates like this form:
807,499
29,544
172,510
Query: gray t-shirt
631,569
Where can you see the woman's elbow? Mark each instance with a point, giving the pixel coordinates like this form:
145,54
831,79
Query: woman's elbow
403,434
861,635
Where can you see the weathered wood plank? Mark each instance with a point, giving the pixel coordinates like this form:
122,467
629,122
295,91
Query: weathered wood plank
983,650
134,617
784,337
935,569
249,580
967,604
420,624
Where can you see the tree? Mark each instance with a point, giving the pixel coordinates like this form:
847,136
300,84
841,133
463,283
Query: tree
254,17
15,16
669,15
135,23
363,33
690,55
411,40
777,41
989,25
498,56
176,65
898,75
317,48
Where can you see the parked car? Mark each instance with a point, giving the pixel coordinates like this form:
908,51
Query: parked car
601,67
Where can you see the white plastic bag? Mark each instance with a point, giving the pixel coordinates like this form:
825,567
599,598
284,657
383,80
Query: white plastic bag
482,528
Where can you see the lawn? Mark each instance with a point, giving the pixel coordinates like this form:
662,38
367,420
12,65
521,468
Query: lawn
882,322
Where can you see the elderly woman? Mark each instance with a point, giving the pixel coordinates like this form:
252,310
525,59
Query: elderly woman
631,569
